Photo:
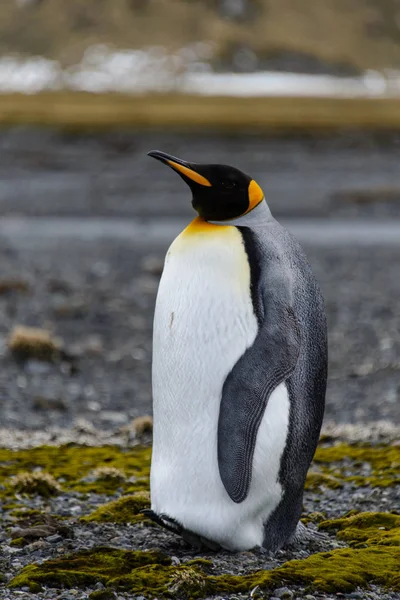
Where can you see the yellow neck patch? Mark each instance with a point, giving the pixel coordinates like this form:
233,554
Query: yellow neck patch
201,227
256,195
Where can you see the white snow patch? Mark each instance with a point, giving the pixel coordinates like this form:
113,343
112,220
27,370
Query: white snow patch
104,69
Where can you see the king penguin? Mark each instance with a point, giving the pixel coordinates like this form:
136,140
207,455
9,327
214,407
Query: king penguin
239,370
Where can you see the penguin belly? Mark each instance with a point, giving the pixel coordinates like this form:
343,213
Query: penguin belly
204,322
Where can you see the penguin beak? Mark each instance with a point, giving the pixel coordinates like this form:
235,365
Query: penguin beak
186,170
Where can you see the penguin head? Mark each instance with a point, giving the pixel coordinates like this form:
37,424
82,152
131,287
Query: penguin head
219,192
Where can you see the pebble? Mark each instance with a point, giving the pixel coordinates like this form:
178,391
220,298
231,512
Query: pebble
284,593
36,367
75,510
54,539
113,417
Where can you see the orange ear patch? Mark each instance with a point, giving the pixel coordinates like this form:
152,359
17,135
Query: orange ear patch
189,173
255,195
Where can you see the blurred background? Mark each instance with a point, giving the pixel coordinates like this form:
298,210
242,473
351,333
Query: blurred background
305,97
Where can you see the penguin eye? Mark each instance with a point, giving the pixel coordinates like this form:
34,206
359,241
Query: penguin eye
229,184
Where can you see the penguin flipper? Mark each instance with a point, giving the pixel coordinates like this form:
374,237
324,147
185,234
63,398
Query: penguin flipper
267,363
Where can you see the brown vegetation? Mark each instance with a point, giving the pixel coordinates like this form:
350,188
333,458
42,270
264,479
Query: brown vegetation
79,111
362,33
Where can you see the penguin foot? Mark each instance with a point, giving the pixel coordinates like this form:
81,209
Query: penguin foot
303,534
193,539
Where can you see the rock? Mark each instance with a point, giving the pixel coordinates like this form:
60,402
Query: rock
58,286
54,539
13,285
93,345
99,586
284,593
113,417
84,426
102,593
75,308
42,403
36,367
75,510
41,526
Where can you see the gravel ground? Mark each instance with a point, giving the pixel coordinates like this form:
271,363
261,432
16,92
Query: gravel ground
98,296
80,536
45,172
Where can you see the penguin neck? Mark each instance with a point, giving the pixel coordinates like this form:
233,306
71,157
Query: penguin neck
260,215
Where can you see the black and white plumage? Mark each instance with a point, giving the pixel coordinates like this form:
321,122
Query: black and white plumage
239,368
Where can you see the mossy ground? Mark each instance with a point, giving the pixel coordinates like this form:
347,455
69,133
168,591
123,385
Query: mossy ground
75,467
123,510
78,469
342,462
373,539
151,573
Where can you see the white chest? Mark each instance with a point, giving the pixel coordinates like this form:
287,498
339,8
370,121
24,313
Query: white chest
204,321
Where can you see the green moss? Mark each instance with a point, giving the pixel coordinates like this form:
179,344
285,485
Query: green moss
345,569
148,573
72,465
314,517
151,573
315,481
88,567
18,542
25,513
366,529
35,588
124,510
341,459
80,469
374,538
106,594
